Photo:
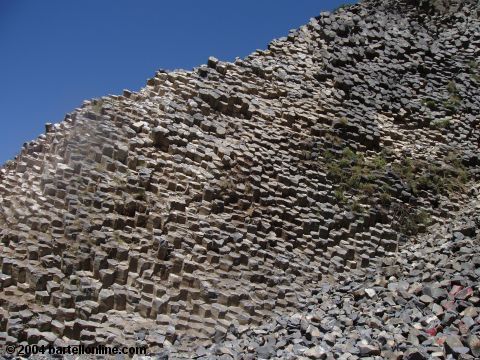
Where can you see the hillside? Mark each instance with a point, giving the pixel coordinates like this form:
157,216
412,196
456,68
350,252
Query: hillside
317,199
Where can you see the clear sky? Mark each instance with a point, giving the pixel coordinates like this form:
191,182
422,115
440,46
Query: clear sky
56,53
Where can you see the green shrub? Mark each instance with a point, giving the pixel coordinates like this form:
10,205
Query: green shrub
367,188
404,169
473,65
440,124
474,70
410,219
356,207
452,103
334,171
340,195
353,172
385,198
97,106
423,217
379,162
333,139
452,87
441,178
360,180
431,104
354,178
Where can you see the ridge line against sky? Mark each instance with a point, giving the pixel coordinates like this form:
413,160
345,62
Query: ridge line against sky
56,53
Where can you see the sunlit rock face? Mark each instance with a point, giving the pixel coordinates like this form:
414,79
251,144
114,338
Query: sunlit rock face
446,6
317,197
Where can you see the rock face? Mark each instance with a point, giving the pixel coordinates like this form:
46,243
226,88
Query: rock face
318,199
443,6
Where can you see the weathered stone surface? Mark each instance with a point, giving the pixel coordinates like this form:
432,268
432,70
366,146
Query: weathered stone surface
318,199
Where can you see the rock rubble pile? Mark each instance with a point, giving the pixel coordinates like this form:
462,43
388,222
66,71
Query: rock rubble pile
422,303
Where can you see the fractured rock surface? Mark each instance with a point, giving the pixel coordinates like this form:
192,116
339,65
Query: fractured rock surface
302,185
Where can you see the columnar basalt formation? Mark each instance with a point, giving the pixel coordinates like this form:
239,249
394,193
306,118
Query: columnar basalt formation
190,215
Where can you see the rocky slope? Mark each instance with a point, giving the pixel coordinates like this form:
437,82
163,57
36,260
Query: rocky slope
316,199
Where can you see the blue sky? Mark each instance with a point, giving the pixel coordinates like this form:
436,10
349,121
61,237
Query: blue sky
56,53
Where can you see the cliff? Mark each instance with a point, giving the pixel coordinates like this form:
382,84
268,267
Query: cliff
318,197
